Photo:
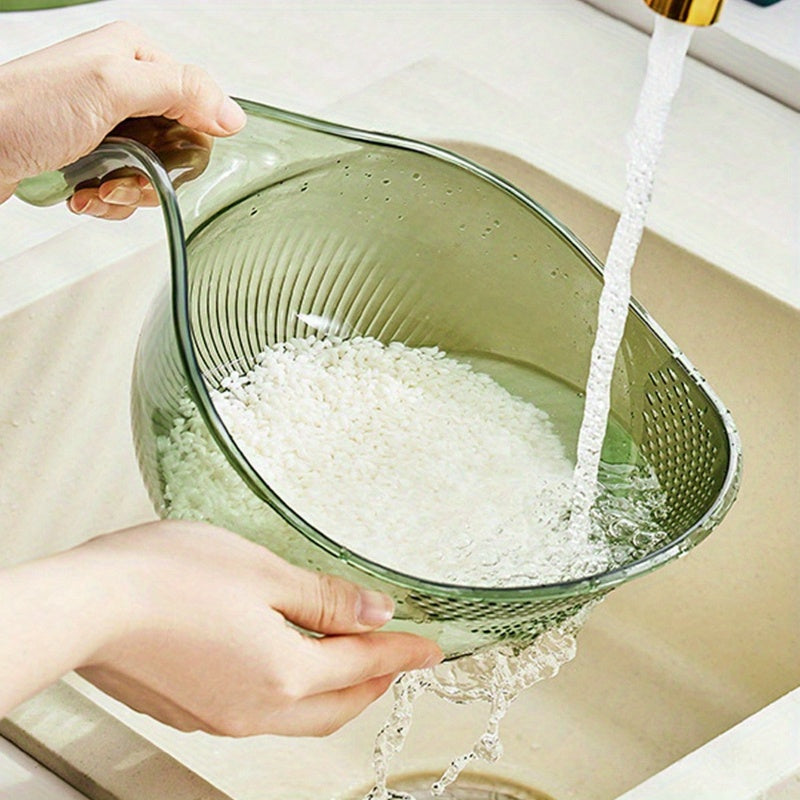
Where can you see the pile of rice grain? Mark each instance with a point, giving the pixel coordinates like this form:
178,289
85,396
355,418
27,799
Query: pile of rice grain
403,455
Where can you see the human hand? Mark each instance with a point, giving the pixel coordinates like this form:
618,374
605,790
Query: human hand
58,104
198,636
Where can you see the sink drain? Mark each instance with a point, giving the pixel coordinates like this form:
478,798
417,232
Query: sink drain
470,786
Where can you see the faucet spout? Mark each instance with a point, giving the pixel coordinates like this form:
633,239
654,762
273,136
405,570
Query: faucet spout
692,12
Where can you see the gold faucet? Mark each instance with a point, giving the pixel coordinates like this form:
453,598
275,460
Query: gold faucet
692,12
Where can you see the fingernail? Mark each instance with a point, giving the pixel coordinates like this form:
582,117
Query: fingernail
231,117
123,195
78,205
374,608
93,207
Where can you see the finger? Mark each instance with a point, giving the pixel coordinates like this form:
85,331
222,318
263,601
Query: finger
121,191
323,714
157,84
79,201
336,662
326,604
134,191
149,196
182,92
86,201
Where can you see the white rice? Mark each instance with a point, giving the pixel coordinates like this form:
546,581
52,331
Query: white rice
403,455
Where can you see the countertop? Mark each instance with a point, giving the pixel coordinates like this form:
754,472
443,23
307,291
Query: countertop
22,778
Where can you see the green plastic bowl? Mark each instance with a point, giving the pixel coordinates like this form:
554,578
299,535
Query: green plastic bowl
298,227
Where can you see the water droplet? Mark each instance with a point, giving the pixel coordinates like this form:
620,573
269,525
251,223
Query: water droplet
415,176
462,227
386,181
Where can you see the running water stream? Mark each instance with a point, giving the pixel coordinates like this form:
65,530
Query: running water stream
667,53
500,674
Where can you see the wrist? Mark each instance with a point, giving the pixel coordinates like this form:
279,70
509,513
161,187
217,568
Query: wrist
55,612
107,604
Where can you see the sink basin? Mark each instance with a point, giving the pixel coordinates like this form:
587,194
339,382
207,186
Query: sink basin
664,665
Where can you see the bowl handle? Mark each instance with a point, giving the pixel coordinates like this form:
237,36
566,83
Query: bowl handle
136,145
114,157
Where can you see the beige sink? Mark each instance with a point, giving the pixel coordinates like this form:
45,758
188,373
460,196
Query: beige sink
664,664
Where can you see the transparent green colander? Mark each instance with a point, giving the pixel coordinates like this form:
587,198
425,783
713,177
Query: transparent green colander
298,227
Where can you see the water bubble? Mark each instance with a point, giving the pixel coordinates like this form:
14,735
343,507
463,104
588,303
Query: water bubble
386,181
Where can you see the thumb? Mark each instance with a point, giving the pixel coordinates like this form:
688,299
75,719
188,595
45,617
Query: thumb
326,604
182,92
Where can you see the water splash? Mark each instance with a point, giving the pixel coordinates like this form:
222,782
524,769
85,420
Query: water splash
665,64
496,676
